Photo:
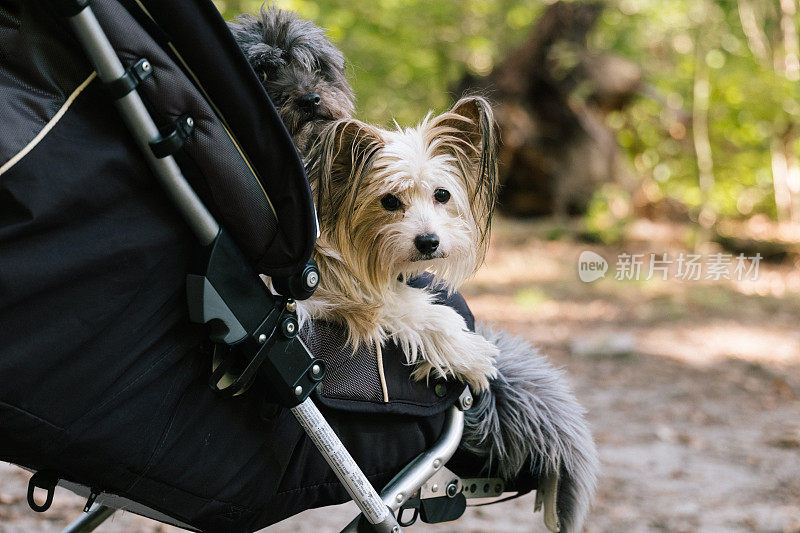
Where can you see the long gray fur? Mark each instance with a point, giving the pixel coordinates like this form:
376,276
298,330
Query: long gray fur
530,413
294,59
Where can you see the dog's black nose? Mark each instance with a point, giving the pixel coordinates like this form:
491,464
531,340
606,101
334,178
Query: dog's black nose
427,244
310,100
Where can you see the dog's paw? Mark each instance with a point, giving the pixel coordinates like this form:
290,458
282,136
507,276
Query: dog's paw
464,355
477,362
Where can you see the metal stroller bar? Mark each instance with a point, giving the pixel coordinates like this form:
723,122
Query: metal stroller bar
89,521
345,467
409,480
109,69
418,471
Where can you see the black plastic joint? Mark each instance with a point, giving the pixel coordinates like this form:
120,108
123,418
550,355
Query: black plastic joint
173,141
300,286
69,8
133,76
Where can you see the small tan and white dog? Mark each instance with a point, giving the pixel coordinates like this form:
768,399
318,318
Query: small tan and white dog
394,204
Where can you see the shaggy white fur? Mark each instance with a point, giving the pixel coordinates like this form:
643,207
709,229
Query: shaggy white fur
394,204
529,415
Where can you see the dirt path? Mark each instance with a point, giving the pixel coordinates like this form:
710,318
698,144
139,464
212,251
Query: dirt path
698,426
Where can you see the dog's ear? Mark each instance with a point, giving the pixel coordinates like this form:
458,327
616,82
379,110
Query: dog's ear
264,57
469,132
250,33
337,165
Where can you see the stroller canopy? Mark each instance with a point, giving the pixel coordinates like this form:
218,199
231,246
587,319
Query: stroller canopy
249,173
201,42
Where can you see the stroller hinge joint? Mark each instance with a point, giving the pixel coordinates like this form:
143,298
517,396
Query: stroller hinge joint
256,331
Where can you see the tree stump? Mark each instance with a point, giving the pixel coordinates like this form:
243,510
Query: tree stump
551,96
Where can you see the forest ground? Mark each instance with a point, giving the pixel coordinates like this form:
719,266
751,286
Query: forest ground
692,389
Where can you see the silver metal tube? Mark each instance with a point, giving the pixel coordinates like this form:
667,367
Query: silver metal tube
109,68
409,480
418,471
345,467
89,521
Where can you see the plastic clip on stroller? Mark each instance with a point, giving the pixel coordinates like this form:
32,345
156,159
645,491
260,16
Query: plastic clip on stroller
173,141
229,293
133,76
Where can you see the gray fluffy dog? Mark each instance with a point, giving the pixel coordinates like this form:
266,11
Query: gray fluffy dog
303,73
530,418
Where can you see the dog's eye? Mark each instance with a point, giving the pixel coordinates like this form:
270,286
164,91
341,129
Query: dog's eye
390,202
441,195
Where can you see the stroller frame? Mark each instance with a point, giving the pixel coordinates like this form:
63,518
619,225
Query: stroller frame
379,513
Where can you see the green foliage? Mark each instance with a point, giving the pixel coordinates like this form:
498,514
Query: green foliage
608,214
750,103
406,56
531,297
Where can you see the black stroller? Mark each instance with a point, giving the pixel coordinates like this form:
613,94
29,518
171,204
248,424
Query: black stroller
105,382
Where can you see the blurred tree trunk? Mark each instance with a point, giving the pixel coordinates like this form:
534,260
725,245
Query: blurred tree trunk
786,174
789,67
702,143
551,96
751,24
780,178
785,60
